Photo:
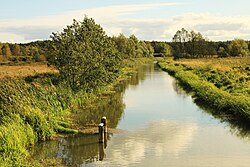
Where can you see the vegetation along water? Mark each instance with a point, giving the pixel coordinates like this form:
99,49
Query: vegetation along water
80,66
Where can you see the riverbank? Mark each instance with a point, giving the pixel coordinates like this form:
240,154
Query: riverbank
39,107
223,84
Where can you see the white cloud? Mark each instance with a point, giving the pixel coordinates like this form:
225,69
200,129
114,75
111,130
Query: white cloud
122,19
156,140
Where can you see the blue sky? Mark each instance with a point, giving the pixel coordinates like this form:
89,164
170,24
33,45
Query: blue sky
29,20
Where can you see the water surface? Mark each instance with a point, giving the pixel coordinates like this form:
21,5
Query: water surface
164,127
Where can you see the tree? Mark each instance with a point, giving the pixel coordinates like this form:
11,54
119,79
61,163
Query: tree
6,51
84,55
42,58
191,44
16,50
180,37
131,47
238,47
162,49
222,52
1,53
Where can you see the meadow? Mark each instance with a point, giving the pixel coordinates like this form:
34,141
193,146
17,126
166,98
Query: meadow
221,83
15,71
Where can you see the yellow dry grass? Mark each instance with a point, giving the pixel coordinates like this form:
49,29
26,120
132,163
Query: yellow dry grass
25,70
222,64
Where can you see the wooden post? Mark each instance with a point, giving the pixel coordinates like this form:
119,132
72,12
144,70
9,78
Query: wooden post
101,132
104,121
101,151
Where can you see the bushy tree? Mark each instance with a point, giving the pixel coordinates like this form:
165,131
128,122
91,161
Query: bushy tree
6,51
132,47
191,44
238,47
16,50
162,49
84,55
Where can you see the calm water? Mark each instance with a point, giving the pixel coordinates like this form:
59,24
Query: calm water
163,127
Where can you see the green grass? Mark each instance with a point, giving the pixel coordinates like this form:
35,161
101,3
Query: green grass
37,108
208,92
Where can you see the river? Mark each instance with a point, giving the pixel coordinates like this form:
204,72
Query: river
162,126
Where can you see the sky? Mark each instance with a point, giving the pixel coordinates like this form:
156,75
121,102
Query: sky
218,20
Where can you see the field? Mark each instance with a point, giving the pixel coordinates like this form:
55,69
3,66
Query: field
222,64
229,74
223,84
25,70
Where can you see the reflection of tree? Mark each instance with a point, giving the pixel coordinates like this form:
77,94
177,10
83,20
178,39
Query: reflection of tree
239,126
79,150
85,149
177,88
44,150
140,74
112,105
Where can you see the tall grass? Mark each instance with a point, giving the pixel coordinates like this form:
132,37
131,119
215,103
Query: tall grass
208,92
37,108
31,110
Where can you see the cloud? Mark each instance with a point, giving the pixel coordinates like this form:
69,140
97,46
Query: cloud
25,30
155,140
130,19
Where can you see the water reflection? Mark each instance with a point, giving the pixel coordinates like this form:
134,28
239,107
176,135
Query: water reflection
237,125
81,149
85,148
165,128
157,139
112,106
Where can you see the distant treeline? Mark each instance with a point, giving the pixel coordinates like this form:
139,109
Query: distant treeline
40,51
190,44
185,44
31,52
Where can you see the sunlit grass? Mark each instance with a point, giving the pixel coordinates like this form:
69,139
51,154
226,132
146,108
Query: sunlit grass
222,64
221,83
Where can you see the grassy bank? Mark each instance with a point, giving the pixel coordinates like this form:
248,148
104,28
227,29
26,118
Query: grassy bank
223,84
39,107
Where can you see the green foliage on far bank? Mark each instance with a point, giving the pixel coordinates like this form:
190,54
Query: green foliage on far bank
208,92
36,108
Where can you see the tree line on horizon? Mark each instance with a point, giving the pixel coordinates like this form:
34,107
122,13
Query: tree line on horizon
31,52
191,44
184,44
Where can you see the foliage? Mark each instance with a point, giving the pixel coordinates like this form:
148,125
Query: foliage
31,110
238,47
190,44
15,135
161,49
6,51
26,53
131,47
213,88
85,56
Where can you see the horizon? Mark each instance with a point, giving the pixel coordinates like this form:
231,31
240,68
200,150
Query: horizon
23,22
